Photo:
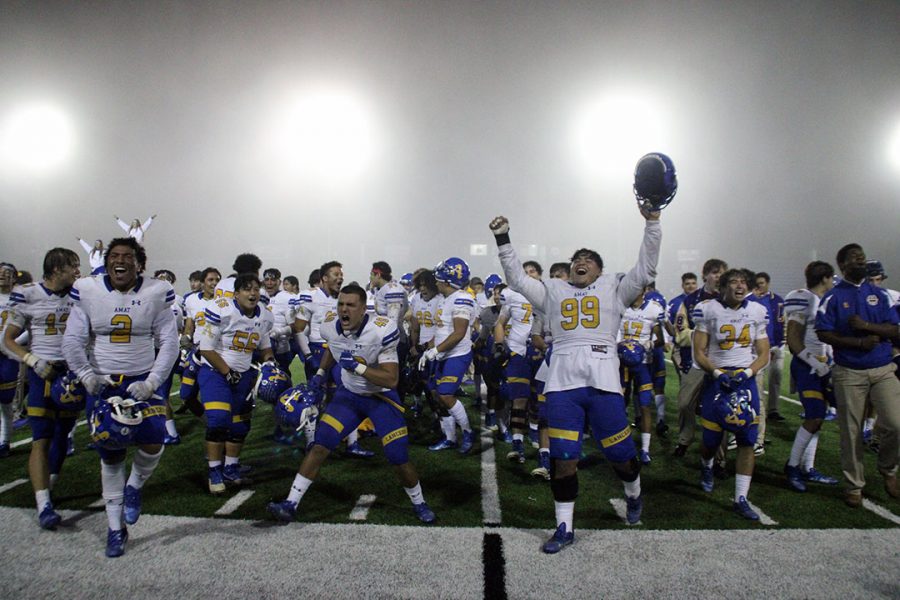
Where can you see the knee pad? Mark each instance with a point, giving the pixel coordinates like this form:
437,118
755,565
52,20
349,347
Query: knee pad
517,416
630,473
564,489
217,434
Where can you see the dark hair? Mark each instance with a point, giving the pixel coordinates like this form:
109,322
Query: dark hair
750,275
764,275
535,264
246,263
587,253
475,281
245,280
195,276
323,270
499,288
712,264
744,274
140,255
843,252
165,272
688,275
816,271
23,277
205,273
291,280
559,266
355,289
273,272
314,277
427,279
58,259
383,269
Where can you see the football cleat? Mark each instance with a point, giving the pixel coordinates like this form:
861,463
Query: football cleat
633,508
49,518
115,542
543,469
831,414
732,442
284,511
561,538
518,452
814,476
132,509
506,437
645,457
774,415
468,440
424,512
795,478
662,429
759,449
742,508
535,440
444,444
680,450
358,451
171,440
707,482
216,480
231,474
490,421
4,450
866,436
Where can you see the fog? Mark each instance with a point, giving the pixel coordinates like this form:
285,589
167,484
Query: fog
779,118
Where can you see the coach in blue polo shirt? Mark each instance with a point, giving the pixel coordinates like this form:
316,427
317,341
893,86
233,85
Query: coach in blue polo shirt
857,320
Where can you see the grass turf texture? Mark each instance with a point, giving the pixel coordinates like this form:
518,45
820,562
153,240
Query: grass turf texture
452,483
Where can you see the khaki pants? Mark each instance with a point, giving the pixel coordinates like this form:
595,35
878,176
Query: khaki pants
851,389
688,397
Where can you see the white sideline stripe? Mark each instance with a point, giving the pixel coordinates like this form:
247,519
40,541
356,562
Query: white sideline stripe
235,502
12,484
100,503
881,511
763,517
490,495
78,424
361,511
621,509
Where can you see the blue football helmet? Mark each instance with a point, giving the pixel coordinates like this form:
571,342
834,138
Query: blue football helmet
114,421
453,271
67,392
655,182
297,406
874,268
631,353
406,280
271,383
492,281
734,410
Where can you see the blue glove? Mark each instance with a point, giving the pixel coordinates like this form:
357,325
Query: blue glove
724,380
348,361
740,377
317,383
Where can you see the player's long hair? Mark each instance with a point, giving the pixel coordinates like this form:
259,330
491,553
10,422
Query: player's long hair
57,259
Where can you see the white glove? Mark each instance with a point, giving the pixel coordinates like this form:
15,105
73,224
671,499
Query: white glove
499,226
185,341
819,367
93,382
278,332
143,390
39,365
428,356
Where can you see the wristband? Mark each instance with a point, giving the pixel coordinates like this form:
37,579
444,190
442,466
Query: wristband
502,238
718,373
321,372
30,359
360,368
748,372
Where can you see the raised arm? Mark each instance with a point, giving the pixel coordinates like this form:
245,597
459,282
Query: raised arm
644,271
516,278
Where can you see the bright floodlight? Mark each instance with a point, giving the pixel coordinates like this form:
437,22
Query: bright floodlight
36,138
610,133
325,135
894,148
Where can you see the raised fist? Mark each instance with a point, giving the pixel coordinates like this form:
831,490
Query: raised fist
499,225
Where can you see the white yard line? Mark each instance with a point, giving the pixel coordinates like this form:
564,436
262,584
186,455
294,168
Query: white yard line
12,484
361,511
234,503
99,503
763,517
880,511
490,494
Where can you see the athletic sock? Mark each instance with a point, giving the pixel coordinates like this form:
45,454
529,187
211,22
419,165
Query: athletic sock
741,486
298,488
801,441
458,412
415,493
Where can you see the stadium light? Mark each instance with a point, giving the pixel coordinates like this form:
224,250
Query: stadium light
36,139
609,132
325,135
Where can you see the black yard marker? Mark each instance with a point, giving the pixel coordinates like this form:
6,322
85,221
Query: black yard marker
494,567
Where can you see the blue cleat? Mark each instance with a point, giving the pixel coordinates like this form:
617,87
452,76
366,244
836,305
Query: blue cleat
49,518
814,476
490,421
171,440
358,451
535,439
742,508
216,480
444,444
132,504
231,474
4,450
633,508
543,469
795,478
830,415
645,457
561,538
506,437
424,512
468,440
115,542
518,452
284,511
707,481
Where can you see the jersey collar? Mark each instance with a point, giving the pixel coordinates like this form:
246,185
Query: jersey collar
256,311
362,326
136,288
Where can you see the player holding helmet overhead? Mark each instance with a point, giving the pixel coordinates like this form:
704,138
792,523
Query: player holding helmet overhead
109,344
584,315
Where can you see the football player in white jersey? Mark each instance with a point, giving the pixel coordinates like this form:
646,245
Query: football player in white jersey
365,349
392,301
109,344
452,350
731,346
811,371
243,263
283,305
95,254
43,308
195,305
423,308
9,368
172,438
641,323
136,229
235,328
584,315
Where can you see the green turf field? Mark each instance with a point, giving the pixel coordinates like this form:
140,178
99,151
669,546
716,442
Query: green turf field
453,486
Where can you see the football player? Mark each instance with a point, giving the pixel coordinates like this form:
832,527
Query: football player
9,368
195,305
95,254
282,304
424,307
730,346
688,285
658,362
235,329
172,438
365,349
136,229
43,309
775,330
109,344
391,301
243,263
811,372
584,315
452,350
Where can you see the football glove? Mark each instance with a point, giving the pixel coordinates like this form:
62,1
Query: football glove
40,366
93,382
317,382
349,362
499,352
233,377
143,390
723,379
428,356
820,368
185,341
740,377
